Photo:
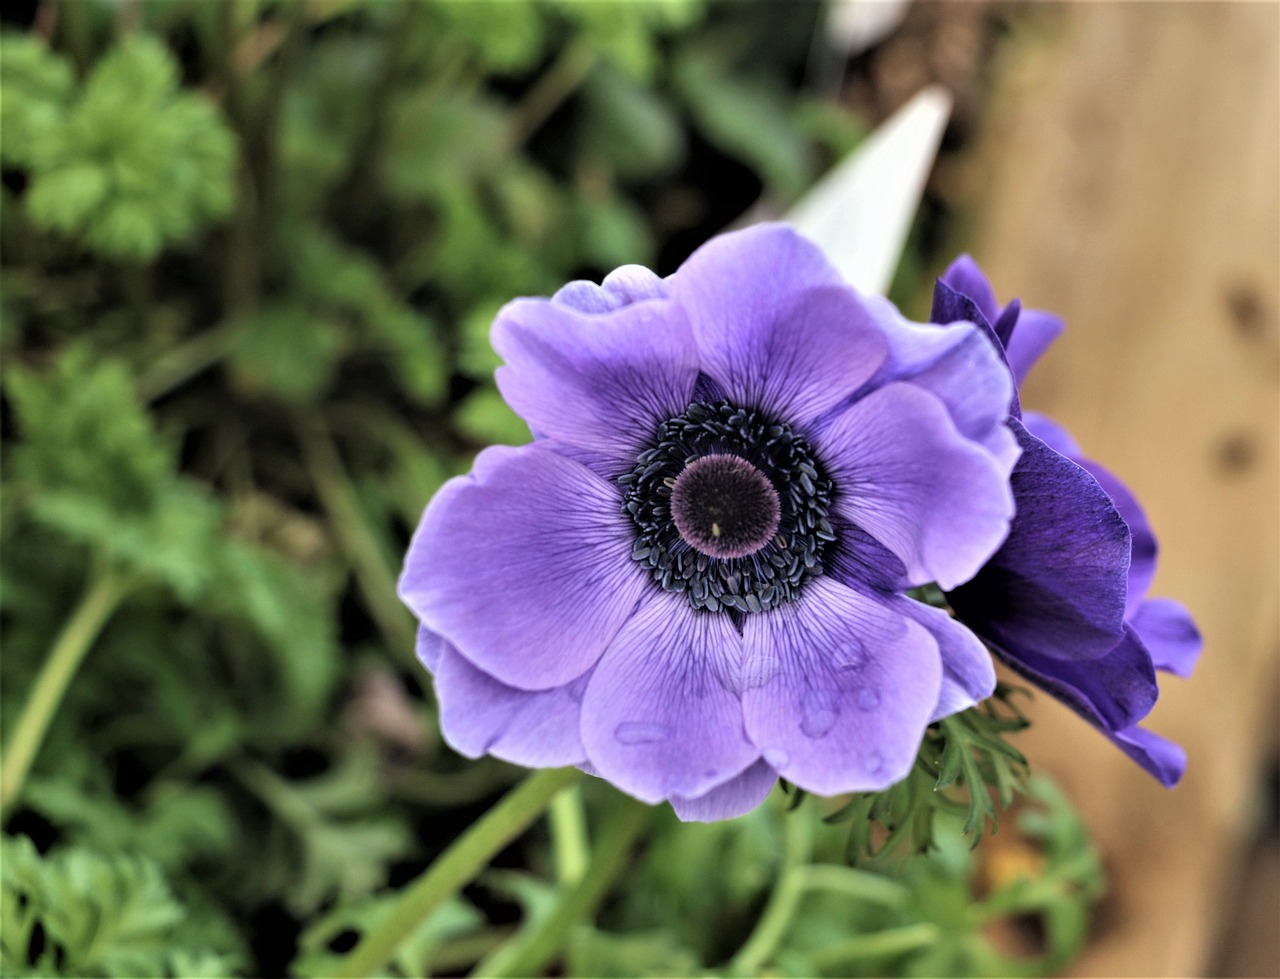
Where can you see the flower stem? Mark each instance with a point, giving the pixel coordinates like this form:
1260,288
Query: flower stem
569,836
105,591
784,900
455,867
531,950
877,944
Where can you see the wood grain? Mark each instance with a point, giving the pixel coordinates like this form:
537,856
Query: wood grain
1131,175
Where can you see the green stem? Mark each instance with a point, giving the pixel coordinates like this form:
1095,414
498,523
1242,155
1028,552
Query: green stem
877,944
569,836
784,900
184,361
533,949
374,577
458,865
103,594
557,83
858,884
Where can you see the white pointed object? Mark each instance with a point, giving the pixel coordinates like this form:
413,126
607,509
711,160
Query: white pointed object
853,26
860,212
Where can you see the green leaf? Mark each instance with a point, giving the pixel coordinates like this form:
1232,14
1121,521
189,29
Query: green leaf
97,915
288,350
485,418
36,85
743,116
628,125
134,163
506,35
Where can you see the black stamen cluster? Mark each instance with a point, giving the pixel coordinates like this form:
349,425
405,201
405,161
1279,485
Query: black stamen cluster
775,573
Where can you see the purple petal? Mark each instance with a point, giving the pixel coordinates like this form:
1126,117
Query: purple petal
662,715
430,645
907,477
598,382
961,366
840,688
525,566
1142,559
776,327
621,287
1112,692
968,673
1034,334
862,562
1057,585
1159,756
480,716
1169,633
950,306
739,795
1052,434
967,278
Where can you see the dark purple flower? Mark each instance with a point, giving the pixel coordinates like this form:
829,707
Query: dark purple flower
691,582
1063,601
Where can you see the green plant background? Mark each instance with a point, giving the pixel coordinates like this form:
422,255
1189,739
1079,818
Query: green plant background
251,252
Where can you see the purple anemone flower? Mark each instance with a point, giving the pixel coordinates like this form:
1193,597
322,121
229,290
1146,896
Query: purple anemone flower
691,582
1063,601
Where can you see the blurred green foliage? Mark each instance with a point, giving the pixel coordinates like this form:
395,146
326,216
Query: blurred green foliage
251,251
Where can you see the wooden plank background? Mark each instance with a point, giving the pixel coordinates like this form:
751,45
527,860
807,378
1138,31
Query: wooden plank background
1130,181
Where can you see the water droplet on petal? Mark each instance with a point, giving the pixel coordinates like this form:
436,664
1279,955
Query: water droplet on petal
868,698
640,732
849,657
777,758
873,761
819,711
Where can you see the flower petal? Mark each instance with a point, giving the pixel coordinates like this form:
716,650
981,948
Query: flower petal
962,366
524,565
621,287
968,672
965,277
739,795
951,306
480,716
1112,692
906,476
1169,633
840,688
598,382
776,326
1034,334
1056,587
429,645
1159,756
1142,558
662,715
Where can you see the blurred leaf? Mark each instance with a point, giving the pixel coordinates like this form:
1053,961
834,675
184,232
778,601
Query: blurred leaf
135,163
35,89
505,35
487,419
288,350
599,954
629,125
97,915
343,836
627,31
744,116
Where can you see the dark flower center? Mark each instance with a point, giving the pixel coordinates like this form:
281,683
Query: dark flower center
724,506
730,508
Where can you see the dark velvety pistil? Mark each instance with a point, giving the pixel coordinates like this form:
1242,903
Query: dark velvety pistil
730,509
724,506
